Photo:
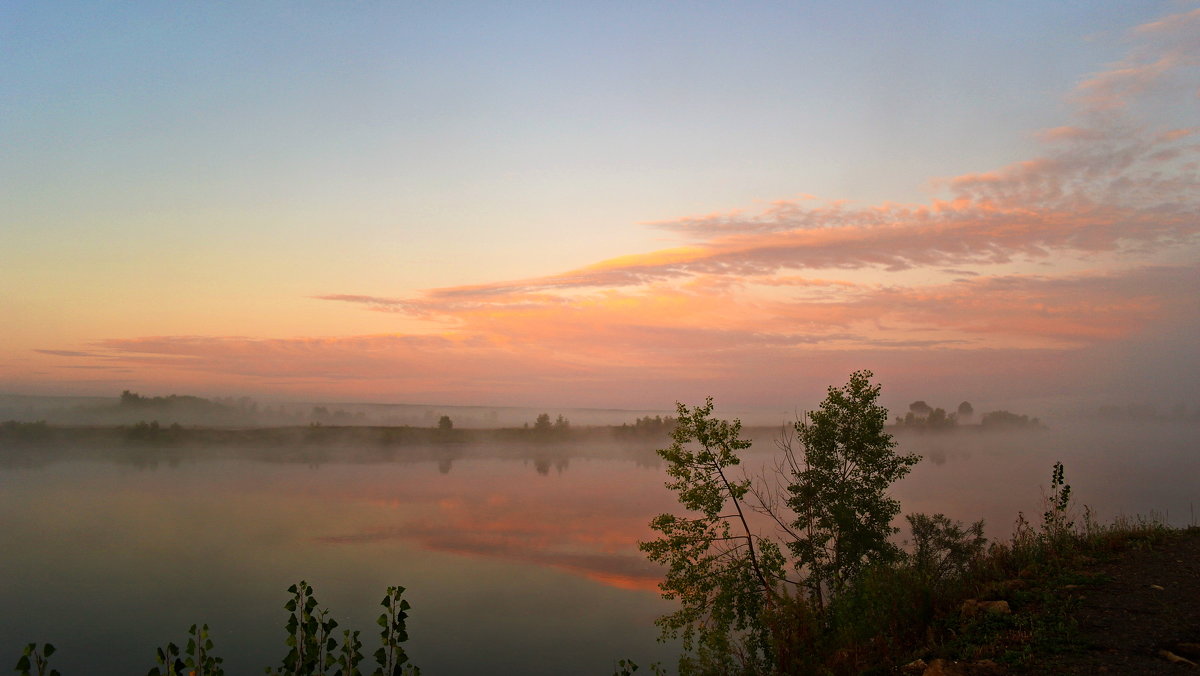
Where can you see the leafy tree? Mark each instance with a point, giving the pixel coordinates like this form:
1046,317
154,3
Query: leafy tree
965,411
839,488
1007,419
723,575
445,424
738,612
920,408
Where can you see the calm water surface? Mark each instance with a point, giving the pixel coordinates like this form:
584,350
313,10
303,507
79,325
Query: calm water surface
514,565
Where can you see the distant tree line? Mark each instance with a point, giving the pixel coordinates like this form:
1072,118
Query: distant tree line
657,426
922,416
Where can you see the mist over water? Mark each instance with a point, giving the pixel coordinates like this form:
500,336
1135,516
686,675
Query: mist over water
518,558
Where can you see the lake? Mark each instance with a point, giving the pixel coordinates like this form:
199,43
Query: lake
516,560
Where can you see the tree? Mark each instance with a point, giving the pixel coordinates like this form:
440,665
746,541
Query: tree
938,419
737,610
838,493
965,411
445,424
920,408
542,424
723,575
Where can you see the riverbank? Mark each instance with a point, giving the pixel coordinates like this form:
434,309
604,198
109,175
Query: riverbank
1125,601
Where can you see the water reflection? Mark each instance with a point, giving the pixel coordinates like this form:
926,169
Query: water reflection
587,524
112,548
539,573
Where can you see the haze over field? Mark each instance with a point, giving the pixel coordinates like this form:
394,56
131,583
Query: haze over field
599,205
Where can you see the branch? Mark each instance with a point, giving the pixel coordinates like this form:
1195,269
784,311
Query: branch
746,528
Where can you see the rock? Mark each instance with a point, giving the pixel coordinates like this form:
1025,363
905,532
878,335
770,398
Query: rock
916,667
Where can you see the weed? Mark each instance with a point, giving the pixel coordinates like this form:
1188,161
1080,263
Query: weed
36,661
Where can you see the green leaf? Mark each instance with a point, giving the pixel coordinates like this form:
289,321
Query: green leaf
23,663
47,650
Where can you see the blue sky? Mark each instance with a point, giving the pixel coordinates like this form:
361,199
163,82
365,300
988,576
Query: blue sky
209,169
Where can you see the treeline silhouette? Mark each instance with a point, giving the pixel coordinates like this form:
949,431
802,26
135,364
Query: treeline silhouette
923,417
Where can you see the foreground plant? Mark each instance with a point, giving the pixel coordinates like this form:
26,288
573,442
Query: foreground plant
34,661
309,630
195,660
391,656
312,649
314,652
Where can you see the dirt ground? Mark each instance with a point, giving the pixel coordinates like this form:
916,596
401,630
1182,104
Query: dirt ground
1148,606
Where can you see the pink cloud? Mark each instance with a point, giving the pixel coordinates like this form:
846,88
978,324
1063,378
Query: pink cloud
659,339
1161,49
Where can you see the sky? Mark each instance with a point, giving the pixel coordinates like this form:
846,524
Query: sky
602,204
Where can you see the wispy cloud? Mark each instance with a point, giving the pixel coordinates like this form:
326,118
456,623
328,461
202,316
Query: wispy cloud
1159,50
67,353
